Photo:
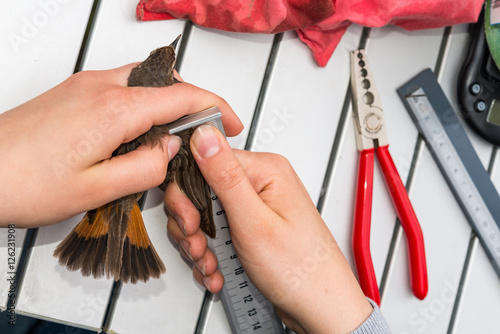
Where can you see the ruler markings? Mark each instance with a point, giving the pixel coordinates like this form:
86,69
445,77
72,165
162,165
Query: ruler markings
247,309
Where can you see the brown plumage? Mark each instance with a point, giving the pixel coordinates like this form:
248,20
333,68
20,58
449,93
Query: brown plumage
112,239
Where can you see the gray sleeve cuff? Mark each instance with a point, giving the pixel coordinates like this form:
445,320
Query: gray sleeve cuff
375,324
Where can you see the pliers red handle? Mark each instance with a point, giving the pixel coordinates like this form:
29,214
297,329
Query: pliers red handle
370,132
407,217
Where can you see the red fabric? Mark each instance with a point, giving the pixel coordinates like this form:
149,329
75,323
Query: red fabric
319,23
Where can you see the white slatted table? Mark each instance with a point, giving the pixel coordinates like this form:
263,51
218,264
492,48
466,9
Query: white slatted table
302,116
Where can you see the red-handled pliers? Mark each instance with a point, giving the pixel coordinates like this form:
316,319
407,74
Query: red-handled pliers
369,125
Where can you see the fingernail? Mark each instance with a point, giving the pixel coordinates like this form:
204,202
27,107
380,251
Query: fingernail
187,248
181,224
207,281
206,141
174,144
200,264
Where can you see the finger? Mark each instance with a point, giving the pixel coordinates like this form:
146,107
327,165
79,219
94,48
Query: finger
194,246
174,230
212,282
136,171
147,106
182,209
226,176
207,264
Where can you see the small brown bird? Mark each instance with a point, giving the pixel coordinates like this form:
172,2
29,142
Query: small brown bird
112,239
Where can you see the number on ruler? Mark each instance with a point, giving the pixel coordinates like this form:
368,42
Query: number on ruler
247,299
256,326
252,312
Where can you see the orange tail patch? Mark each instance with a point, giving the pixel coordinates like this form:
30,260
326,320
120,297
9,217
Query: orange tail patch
140,260
85,247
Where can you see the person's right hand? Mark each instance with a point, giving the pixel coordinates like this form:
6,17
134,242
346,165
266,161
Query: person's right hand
280,238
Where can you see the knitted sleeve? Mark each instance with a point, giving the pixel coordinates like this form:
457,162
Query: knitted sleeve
375,324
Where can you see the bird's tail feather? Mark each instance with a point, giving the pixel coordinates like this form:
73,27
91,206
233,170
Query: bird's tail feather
110,241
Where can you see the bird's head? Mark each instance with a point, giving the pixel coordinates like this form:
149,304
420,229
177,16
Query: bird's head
157,70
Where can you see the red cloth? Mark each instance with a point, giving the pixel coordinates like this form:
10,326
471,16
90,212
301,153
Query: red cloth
319,23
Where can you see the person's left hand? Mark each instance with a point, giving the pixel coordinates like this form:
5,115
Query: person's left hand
56,149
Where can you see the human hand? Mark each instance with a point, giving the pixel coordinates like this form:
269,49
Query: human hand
56,149
281,240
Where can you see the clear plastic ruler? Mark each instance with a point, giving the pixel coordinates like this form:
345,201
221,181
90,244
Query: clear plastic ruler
455,156
247,310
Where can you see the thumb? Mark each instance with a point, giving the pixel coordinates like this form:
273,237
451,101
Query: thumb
225,175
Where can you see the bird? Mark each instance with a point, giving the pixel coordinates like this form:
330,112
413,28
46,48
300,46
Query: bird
112,240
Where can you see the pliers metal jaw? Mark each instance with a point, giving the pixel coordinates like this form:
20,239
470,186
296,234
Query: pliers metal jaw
371,137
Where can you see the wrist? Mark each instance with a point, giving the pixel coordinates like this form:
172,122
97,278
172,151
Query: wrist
330,299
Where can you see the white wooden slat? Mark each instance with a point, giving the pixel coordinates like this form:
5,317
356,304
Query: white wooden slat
302,107
231,65
446,232
40,44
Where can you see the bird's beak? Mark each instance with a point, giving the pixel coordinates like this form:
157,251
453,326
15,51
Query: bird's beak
174,43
